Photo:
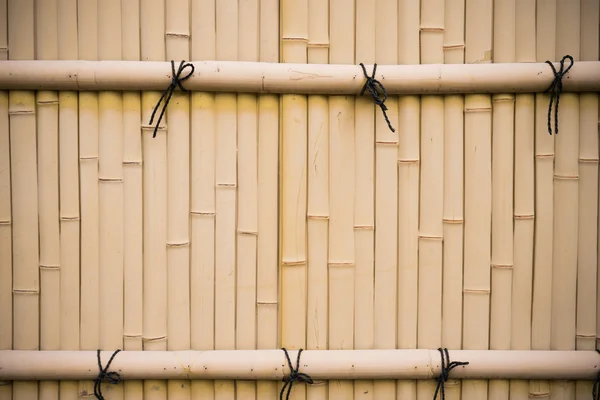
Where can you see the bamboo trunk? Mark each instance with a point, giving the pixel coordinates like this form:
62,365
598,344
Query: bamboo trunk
318,194
267,299
24,196
364,205
524,201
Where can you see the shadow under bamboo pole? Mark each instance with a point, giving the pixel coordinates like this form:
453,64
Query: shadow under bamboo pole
319,364
262,77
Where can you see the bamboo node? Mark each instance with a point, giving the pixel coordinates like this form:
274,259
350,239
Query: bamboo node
152,128
226,185
435,238
176,34
132,163
50,267
203,213
364,227
153,339
477,291
454,46
111,180
47,102
340,264
539,395
588,160
26,291
524,216
132,335
502,266
453,220
298,263
247,233
178,244
387,142
21,112
88,158
294,39
322,217
566,177
318,44
478,109
409,161
5,222
432,29
267,302
545,156
501,98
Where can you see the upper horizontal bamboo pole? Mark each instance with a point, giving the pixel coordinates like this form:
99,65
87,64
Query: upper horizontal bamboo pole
261,77
319,364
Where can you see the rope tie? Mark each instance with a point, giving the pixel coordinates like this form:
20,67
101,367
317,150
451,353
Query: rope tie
111,377
371,85
447,366
176,80
294,375
555,89
596,387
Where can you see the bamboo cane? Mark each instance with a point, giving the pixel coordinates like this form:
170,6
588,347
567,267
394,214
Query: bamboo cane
68,150
318,194
46,43
452,294
110,177
502,252
295,78
524,201
247,205
6,301
386,196
587,261
293,200
132,200
408,194
341,255
364,204
267,273
544,198
431,191
202,206
381,365
24,196
177,25
478,193
154,176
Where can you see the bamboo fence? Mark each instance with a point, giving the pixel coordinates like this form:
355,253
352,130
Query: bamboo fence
274,206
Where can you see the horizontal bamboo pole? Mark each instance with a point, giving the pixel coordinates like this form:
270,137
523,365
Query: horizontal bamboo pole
319,364
261,77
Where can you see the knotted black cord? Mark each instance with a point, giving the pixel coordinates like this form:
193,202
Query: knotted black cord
447,366
596,387
111,377
556,89
294,375
371,84
175,81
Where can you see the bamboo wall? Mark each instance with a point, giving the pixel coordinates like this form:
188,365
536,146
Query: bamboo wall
256,222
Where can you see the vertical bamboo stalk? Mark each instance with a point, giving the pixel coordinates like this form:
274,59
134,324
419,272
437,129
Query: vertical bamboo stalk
110,177
23,169
478,191
409,30
502,263
524,186
452,293
178,197
318,215
268,190
6,275
544,198
386,196
364,203
247,207
587,260
566,195
87,25
155,327
226,193
132,199
202,270
293,203
46,44
431,193
341,260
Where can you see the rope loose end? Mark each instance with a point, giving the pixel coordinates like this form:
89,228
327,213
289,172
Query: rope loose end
104,375
371,85
176,80
447,366
555,90
294,376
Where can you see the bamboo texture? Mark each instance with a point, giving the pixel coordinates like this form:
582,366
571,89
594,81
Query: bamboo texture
276,208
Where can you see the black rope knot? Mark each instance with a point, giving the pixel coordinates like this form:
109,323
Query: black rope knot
294,376
555,89
596,387
371,85
104,375
447,366
176,80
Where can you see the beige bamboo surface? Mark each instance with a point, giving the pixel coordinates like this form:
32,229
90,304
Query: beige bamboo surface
261,221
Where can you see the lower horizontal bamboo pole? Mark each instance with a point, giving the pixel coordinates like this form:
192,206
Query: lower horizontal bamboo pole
262,77
319,364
